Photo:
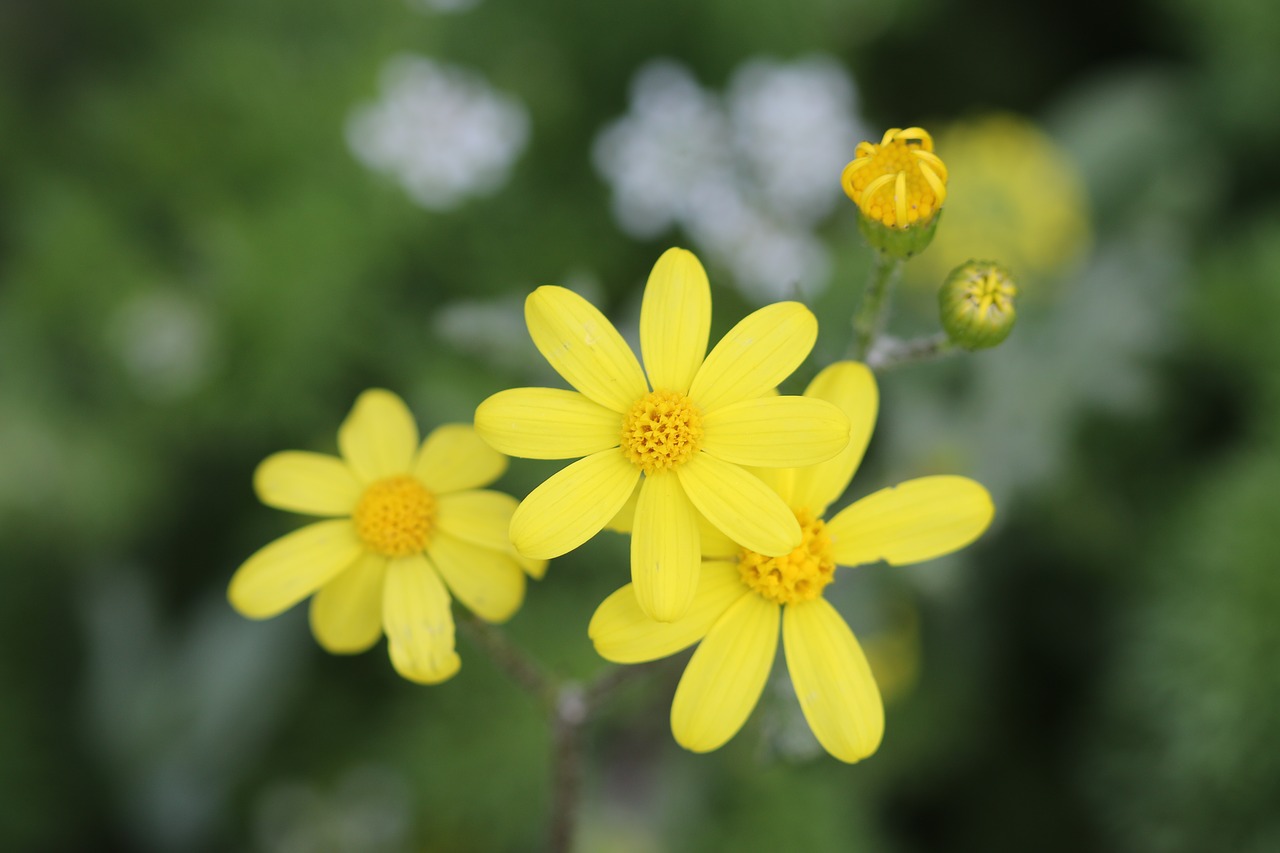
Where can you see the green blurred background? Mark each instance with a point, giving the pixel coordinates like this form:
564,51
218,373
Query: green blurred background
219,222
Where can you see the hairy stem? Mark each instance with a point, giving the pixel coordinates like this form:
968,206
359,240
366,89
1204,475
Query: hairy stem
869,322
889,353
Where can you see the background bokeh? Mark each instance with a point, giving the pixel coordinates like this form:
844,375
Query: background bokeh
219,222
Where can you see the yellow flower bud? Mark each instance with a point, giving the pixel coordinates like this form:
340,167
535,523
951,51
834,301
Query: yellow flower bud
899,187
976,305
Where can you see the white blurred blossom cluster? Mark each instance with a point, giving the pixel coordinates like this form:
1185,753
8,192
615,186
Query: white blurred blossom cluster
442,132
747,175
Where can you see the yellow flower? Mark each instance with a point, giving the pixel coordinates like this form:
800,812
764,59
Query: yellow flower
684,434
409,525
899,182
744,596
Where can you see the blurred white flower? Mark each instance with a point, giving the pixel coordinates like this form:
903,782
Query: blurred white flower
794,127
442,132
747,176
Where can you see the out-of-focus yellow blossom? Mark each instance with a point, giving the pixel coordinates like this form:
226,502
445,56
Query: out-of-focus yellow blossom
684,433
409,526
899,186
744,597
1015,196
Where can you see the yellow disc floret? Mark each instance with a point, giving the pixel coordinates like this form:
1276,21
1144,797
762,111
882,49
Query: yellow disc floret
899,182
662,430
795,577
395,516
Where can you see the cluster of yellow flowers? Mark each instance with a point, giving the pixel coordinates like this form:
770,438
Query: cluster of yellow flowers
723,485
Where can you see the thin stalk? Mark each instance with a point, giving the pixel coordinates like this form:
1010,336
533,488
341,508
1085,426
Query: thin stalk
889,353
568,705
869,322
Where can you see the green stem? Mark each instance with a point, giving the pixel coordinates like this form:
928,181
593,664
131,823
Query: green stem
869,322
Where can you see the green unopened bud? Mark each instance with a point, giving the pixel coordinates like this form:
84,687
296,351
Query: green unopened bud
976,304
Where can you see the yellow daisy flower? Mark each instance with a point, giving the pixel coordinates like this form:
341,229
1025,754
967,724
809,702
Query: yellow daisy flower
743,596
409,526
684,434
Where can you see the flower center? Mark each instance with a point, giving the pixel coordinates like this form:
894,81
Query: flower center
662,430
991,289
795,577
900,181
395,516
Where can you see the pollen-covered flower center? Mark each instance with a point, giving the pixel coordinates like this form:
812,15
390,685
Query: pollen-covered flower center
395,516
662,430
798,576
900,181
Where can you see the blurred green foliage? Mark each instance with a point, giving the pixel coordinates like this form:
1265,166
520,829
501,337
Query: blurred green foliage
195,271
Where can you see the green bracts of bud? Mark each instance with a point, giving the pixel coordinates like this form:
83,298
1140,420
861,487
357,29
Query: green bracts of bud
897,242
976,305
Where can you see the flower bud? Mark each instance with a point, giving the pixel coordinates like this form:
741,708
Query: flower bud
976,305
899,187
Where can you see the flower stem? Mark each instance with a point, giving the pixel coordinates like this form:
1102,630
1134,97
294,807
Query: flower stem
869,322
566,764
889,353
522,669
568,705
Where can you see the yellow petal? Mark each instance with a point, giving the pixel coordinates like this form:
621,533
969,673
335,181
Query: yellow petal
584,347
547,423
715,545
780,480
379,436
837,693
918,520
623,633
756,355
479,516
306,482
852,387
418,622
665,558
536,569
775,432
625,520
453,458
573,505
675,320
742,507
723,680
483,518
488,582
346,614
292,567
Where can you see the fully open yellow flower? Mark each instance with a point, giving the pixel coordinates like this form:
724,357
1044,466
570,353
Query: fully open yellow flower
744,596
410,526
687,431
